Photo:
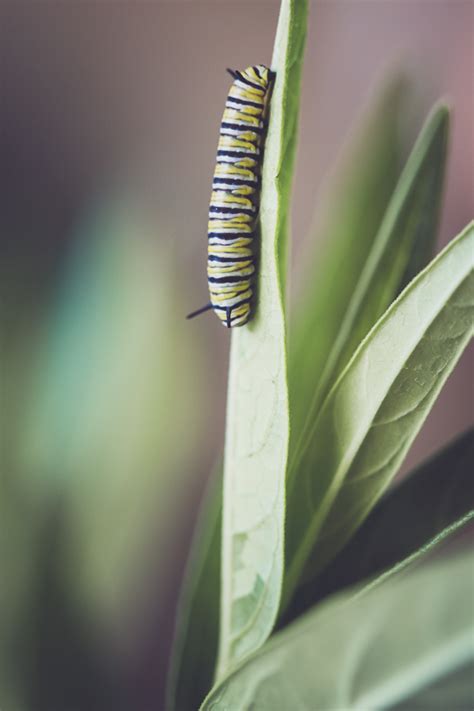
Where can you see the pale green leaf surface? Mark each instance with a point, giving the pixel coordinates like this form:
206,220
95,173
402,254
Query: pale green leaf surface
363,652
348,221
377,406
429,506
453,691
191,671
257,428
406,238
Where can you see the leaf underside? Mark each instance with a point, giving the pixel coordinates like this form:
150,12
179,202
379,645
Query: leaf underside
390,644
404,239
257,425
377,406
433,503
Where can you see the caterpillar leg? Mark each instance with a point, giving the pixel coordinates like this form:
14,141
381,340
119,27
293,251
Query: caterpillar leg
228,312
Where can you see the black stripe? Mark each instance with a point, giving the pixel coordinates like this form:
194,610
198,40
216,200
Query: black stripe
235,306
232,210
227,260
249,83
244,102
236,181
254,129
229,279
231,235
234,318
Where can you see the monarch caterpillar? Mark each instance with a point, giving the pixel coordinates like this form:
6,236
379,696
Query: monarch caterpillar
235,197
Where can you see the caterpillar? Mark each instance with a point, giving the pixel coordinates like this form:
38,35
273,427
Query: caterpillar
233,210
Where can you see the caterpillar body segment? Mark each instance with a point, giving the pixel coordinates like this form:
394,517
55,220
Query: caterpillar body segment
235,197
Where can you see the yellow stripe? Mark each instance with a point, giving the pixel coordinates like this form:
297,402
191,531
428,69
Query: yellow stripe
240,310
248,93
222,266
230,270
239,249
249,117
244,190
256,95
234,142
244,135
230,225
219,199
252,75
215,222
228,170
241,243
220,299
231,221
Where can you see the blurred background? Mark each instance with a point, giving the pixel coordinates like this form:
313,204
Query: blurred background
113,405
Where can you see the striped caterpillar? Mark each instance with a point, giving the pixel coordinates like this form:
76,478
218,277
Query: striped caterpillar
235,197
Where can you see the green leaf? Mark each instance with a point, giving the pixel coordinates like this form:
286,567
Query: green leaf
356,201
377,406
369,651
257,407
427,507
454,691
403,243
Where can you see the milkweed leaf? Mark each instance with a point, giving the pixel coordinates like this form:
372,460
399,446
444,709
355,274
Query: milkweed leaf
431,504
347,223
377,407
403,242
257,430
390,643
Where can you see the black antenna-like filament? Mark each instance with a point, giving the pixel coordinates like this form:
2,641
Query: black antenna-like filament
207,307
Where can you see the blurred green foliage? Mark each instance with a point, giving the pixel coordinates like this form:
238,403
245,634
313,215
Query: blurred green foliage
101,465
